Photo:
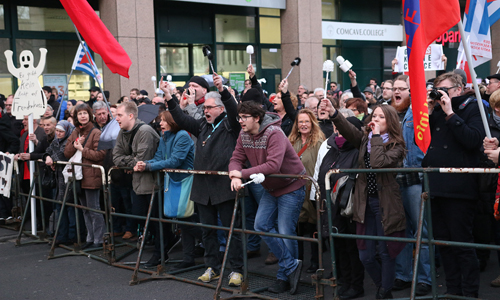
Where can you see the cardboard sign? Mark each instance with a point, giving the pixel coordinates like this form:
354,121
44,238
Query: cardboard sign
29,97
6,167
432,59
237,81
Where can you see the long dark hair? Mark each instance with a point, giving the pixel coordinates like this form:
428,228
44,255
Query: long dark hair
392,122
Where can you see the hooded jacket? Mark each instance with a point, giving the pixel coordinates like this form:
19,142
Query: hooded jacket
269,152
144,147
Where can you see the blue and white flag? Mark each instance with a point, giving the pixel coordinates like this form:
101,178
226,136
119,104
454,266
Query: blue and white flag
81,63
493,11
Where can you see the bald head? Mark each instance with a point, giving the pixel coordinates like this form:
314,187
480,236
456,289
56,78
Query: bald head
157,100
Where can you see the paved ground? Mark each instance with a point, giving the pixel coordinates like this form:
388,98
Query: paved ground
26,273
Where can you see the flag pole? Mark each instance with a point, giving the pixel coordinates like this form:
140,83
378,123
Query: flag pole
65,92
31,148
474,82
93,71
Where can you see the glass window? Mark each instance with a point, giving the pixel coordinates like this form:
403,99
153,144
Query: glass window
232,58
234,29
201,66
2,18
174,60
44,19
329,42
270,30
328,10
269,12
271,58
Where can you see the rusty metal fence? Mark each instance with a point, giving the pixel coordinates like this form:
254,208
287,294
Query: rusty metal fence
109,252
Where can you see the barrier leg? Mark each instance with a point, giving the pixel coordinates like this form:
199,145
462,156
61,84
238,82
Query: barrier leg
63,206
23,221
134,279
318,276
244,284
332,244
430,236
229,236
418,245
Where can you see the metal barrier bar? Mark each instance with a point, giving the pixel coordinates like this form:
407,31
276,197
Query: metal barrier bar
424,207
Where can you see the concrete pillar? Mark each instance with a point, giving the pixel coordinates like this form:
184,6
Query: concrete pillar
495,47
132,24
301,36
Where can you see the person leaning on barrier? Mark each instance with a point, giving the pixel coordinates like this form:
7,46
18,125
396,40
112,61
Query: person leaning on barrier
175,151
55,153
216,138
263,144
377,205
86,138
456,132
128,152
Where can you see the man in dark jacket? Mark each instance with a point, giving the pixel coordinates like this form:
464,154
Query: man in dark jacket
17,125
457,133
9,143
216,138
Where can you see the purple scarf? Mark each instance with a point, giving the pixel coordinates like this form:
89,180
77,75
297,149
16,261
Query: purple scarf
385,138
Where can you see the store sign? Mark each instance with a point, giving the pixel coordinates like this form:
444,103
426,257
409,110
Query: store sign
432,59
237,81
361,31
58,82
280,4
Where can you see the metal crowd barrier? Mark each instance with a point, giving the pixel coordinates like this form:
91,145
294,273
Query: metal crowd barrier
424,207
318,279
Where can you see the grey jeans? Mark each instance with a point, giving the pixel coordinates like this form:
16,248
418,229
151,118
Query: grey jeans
93,221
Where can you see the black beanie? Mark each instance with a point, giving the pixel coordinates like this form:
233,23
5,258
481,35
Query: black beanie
252,94
201,81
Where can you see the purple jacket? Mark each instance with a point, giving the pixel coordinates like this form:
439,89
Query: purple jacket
269,152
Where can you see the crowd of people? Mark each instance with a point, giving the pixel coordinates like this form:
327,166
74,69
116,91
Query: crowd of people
252,135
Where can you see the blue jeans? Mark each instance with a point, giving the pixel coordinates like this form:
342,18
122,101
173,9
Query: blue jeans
404,265
286,209
251,205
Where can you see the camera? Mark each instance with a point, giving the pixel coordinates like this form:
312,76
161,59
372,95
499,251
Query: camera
436,95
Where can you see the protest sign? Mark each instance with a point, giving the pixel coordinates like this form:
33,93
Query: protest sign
6,167
432,59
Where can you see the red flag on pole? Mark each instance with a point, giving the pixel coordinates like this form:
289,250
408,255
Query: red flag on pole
424,22
98,36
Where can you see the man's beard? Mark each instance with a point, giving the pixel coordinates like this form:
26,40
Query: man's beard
402,106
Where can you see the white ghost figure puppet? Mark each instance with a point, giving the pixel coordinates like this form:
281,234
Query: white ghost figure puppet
29,97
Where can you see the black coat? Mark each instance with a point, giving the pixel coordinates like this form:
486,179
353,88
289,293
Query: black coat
9,142
455,142
215,155
291,113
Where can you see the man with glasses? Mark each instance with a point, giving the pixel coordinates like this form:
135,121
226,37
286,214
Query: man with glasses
457,133
265,146
386,92
216,138
493,85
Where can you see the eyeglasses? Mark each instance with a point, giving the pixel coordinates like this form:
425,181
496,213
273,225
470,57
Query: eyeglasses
492,82
242,118
209,107
401,89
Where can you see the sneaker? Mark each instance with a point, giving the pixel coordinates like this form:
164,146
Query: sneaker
208,276
154,261
496,282
128,235
182,265
400,285
235,279
271,259
280,286
294,278
422,289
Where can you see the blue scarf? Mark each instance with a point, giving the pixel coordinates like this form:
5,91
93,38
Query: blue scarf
385,138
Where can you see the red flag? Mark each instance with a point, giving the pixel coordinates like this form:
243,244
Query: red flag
98,36
424,22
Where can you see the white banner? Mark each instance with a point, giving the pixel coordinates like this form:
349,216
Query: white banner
361,31
432,59
6,167
281,4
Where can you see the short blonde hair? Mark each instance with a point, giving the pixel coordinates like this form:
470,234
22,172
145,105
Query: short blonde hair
495,99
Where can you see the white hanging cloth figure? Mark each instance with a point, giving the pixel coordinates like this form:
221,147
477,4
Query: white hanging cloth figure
29,97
